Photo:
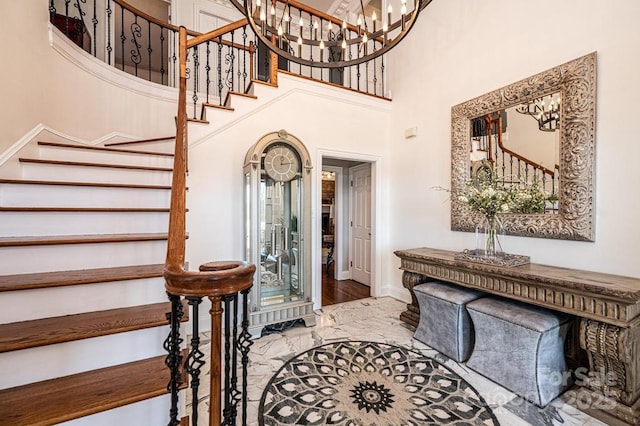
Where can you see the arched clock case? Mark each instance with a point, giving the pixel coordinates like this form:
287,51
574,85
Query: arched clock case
277,172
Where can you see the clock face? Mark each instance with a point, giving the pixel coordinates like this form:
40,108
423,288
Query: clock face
281,163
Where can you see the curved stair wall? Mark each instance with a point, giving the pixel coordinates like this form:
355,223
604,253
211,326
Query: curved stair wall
55,85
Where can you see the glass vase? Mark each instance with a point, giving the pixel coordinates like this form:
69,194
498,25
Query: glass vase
488,237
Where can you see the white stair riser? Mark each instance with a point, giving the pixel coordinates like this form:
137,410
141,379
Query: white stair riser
151,412
16,195
77,299
67,257
93,156
94,174
48,362
15,224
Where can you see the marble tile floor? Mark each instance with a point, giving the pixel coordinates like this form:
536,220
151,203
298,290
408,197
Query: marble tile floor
377,319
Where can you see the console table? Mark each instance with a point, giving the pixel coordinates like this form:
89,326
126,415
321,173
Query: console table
608,308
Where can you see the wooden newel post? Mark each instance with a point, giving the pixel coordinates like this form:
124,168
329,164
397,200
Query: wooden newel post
215,387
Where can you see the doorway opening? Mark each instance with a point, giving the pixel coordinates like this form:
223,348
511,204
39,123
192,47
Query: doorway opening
345,222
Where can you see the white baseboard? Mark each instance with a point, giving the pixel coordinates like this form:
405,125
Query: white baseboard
401,294
343,275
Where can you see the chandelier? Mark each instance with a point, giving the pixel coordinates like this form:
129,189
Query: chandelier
545,110
309,37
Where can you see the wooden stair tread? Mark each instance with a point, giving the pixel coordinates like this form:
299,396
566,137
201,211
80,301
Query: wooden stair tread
197,120
264,83
20,335
86,209
246,95
88,164
103,149
161,139
70,397
92,184
79,239
78,277
224,107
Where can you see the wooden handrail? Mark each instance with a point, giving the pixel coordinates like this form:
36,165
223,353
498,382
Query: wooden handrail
524,159
179,281
513,153
213,280
202,38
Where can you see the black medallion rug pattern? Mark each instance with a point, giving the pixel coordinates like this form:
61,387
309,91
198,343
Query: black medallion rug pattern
366,383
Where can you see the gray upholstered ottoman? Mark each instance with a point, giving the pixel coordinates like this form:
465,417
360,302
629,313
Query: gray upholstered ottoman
444,322
520,346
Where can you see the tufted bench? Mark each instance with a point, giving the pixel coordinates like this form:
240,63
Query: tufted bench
444,322
520,346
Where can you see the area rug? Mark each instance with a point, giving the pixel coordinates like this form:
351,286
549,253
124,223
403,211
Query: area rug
367,383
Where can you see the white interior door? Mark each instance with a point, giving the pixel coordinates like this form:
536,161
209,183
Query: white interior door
360,264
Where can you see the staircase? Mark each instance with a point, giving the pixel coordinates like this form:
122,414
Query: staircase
84,228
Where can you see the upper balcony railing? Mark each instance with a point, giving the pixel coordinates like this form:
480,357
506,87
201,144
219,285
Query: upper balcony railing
147,47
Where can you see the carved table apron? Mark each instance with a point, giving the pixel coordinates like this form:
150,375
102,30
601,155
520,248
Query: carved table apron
608,307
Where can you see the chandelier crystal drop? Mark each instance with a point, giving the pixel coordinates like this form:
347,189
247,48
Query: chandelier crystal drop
324,41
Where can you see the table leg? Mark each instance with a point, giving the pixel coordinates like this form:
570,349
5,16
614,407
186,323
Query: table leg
409,280
614,367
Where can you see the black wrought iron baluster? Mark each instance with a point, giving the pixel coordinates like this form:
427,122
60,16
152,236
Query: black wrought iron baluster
519,171
267,61
95,29
229,59
175,58
122,36
526,173
208,68
196,73
238,55
244,344
358,76
234,56
375,71
504,164
511,166
52,11
66,17
108,36
136,34
195,359
162,59
366,78
220,85
382,74
235,393
244,59
149,48
82,14
227,361
172,345
188,69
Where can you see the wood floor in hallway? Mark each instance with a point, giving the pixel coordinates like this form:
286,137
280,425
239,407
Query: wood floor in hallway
342,291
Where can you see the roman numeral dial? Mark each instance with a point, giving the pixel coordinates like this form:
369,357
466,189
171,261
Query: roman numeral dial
281,163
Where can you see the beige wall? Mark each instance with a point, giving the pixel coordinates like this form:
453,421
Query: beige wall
38,85
461,49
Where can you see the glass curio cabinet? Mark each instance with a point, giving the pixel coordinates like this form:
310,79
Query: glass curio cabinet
277,172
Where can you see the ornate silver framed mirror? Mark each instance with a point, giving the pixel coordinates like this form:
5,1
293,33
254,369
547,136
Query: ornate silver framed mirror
569,91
